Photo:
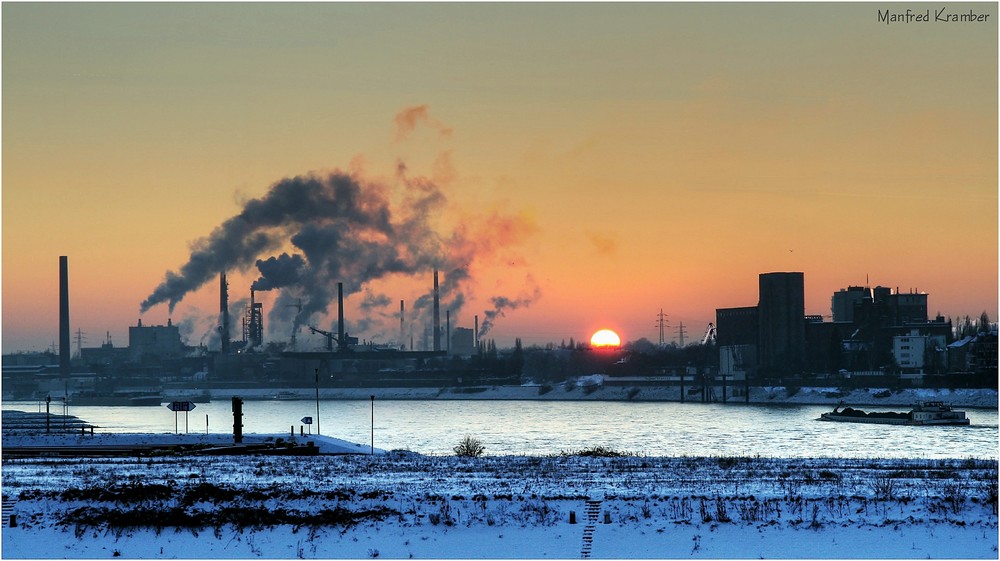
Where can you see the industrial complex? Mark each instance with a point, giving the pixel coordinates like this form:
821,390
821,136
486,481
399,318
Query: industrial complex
874,337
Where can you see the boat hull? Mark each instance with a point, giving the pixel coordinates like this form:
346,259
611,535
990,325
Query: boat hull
888,421
116,401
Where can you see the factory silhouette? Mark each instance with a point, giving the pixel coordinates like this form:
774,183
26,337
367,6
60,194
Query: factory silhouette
876,337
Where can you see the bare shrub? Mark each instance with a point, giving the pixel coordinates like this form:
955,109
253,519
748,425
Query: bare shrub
703,509
989,491
954,497
647,512
883,486
721,513
815,524
750,510
469,447
599,452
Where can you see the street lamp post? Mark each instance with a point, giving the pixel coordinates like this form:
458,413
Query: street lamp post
317,401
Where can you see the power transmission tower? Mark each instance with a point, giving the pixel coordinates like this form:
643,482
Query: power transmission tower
79,342
680,333
661,322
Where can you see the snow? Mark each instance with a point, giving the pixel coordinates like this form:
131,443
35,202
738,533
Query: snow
499,506
326,444
402,504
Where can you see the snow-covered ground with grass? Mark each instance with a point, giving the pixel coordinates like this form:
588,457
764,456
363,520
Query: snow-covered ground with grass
576,504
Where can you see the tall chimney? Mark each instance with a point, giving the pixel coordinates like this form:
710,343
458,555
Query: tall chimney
224,310
248,334
447,330
402,332
437,314
476,334
341,343
64,316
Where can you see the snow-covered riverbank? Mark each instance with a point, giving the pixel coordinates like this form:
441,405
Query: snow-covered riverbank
981,398
406,505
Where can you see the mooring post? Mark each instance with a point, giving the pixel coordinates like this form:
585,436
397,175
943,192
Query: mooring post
237,420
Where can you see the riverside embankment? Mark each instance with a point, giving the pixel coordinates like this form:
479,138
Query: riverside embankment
576,391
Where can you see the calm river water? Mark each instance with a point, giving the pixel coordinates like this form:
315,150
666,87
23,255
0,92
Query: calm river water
550,427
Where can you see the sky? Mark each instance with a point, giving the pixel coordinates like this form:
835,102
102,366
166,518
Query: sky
568,167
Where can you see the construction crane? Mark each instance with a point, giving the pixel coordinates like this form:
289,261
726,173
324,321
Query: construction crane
709,334
331,337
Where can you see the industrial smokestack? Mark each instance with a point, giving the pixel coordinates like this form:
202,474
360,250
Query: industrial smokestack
253,332
64,316
224,310
476,333
447,330
341,343
437,314
402,331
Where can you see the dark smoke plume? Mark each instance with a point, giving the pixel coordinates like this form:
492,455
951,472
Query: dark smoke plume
500,306
275,272
345,230
408,119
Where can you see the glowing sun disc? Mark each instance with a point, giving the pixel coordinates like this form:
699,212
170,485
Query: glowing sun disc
605,338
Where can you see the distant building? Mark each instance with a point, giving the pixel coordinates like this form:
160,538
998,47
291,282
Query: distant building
107,354
155,342
878,330
959,355
736,335
31,359
824,344
887,314
781,324
984,354
462,342
846,299
908,351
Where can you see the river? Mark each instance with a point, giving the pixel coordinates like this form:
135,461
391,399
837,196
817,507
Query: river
551,427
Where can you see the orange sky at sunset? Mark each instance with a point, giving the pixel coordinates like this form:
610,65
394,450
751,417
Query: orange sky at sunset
598,162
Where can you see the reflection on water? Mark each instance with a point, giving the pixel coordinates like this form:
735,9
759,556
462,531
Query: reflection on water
550,427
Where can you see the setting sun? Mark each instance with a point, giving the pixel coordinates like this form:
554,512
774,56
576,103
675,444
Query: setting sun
605,338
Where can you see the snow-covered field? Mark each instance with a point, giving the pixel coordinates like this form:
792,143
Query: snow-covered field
405,505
